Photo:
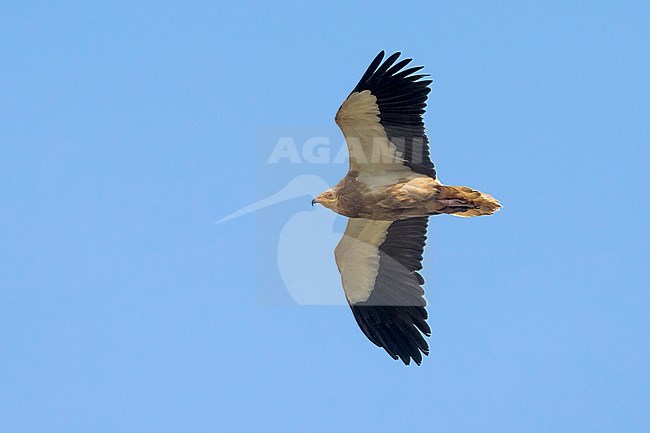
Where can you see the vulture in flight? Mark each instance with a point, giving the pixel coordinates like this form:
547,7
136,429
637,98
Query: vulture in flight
388,194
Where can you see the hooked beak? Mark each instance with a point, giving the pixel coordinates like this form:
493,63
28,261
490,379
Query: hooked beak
313,202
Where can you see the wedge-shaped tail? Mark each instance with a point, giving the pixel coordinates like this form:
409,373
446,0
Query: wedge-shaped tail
465,202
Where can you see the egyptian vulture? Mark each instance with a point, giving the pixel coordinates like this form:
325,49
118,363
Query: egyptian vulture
388,194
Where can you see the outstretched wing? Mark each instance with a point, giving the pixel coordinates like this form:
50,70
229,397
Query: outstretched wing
382,121
378,261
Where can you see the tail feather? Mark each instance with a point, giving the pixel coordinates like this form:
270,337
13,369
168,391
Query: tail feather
466,202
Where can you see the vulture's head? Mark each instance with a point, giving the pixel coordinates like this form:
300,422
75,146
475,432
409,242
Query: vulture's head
329,199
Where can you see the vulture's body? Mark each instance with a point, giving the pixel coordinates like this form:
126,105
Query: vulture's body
389,193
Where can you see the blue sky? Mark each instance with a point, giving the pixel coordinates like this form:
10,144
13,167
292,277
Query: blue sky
128,130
